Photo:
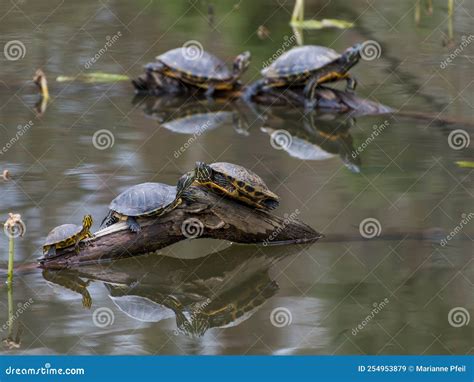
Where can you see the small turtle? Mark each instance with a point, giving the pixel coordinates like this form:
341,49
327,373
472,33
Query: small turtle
67,235
309,66
145,200
236,182
204,71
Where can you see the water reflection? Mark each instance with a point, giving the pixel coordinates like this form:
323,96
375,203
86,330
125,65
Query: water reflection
195,116
307,136
220,290
314,136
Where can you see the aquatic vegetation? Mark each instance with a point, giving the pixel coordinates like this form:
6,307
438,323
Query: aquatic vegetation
297,20
94,77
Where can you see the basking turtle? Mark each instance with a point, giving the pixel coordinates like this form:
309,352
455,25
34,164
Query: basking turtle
308,66
236,182
67,235
205,71
145,200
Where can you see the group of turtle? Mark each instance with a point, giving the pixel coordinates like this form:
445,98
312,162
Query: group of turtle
147,200
304,67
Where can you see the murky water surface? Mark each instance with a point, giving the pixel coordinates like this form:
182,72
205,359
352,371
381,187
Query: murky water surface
388,295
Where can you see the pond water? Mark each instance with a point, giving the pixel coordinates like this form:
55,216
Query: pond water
393,294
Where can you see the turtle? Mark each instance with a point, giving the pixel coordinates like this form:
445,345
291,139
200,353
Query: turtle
308,66
67,235
202,70
236,182
145,200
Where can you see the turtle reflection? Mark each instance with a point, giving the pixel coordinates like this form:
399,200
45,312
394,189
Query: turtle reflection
191,116
313,136
232,286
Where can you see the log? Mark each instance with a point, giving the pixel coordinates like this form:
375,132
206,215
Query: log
207,216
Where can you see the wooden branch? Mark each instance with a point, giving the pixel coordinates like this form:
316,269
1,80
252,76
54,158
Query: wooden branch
208,216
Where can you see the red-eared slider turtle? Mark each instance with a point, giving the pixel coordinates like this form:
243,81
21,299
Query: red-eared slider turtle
145,200
309,65
236,182
67,235
204,71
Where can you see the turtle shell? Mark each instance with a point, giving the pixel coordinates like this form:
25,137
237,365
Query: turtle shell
142,198
300,60
62,233
206,65
242,175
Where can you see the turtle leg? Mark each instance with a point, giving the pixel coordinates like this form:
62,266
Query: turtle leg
310,99
210,92
133,224
252,90
351,84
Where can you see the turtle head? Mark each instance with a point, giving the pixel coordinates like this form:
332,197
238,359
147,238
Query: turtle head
87,222
184,183
351,56
203,171
241,63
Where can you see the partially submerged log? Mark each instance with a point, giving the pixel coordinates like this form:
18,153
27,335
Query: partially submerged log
208,216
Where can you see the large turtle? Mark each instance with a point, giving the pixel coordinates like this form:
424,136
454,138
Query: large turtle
200,68
309,66
67,235
145,200
236,182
